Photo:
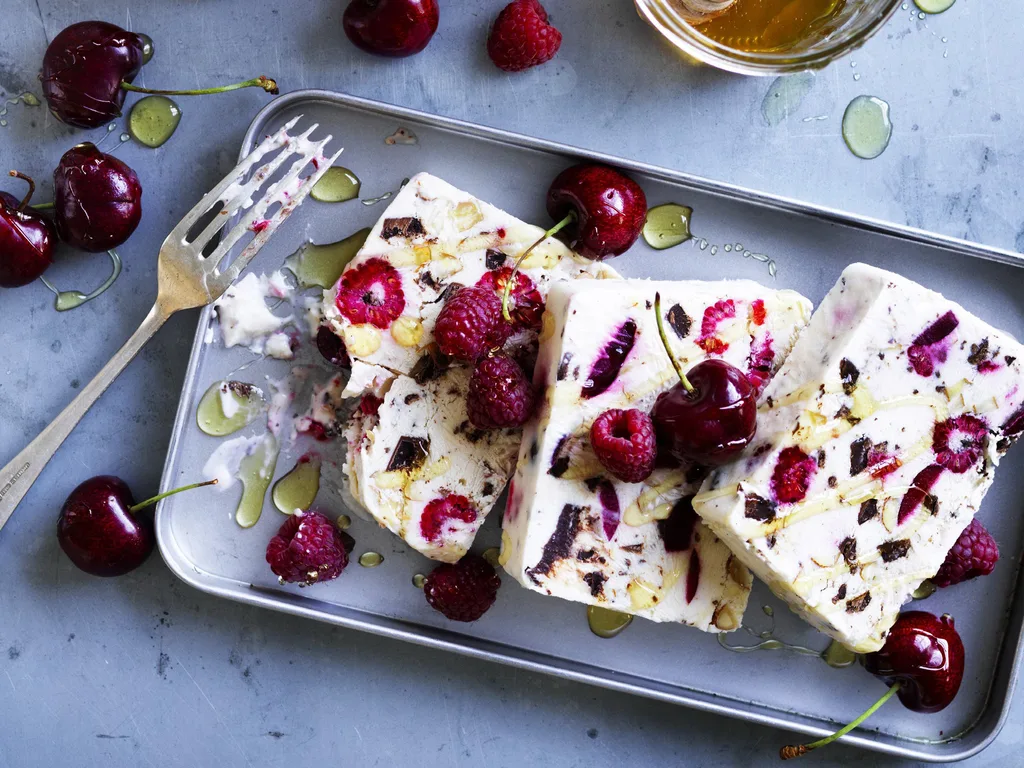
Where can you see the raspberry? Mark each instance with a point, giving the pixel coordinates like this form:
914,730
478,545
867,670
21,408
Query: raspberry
369,405
713,317
974,554
308,549
462,591
526,307
440,511
371,293
499,395
470,324
332,348
624,443
521,37
959,442
792,475
760,359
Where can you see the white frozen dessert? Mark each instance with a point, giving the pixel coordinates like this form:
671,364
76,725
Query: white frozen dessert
246,320
413,461
573,531
423,471
876,443
433,236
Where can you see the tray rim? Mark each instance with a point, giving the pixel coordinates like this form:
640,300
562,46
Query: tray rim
1003,682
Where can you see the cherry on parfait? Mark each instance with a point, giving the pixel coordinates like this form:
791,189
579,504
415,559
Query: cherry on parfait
710,415
89,66
922,662
26,239
99,530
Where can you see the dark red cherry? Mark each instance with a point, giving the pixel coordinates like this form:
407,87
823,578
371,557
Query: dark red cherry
97,199
391,27
712,423
83,69
610,209
332,348
925,655
26,239
99,530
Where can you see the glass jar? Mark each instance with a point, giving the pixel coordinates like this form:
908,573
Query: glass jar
846,31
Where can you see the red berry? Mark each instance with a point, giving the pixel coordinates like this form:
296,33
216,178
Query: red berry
526,306
462,591
369,405
959,442
371,293
499,395
792,475
974,554
307,549
439,511
521,37
470,324
624,443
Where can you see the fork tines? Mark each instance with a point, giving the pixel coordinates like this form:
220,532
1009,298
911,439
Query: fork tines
235,193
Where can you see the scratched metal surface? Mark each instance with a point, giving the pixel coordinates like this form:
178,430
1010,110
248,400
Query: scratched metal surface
144,670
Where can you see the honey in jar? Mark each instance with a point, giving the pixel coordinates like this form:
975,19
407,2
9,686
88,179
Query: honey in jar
769,25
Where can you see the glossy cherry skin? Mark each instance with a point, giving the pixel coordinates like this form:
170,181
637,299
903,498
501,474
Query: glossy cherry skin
83,69
925,654
710,425
610,209
97,199
26,243
98,531
391,27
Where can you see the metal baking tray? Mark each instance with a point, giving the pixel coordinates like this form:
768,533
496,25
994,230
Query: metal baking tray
810,245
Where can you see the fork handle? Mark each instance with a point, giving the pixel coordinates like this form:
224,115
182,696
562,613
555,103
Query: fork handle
19,475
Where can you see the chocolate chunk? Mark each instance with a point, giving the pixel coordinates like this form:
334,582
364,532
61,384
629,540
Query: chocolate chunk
430,366
411,398
832,481
488,488
979,353
636,549
534,449
821,459
559,546
679,321
759,508
770,541
407,226
1009,359
596,582
848,548
494,258
585,555
563,367
894,550
427,280
860,449
560,458
844,412
931,503
868,511
410,453
858,603
848,374
840,595
241,388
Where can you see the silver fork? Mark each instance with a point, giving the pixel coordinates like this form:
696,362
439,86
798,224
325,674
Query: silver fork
187,279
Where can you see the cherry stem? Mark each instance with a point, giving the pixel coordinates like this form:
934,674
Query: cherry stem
668,349
791,751
155,499
510,283
31,188
264,82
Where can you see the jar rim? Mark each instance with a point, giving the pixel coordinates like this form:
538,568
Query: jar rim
690,41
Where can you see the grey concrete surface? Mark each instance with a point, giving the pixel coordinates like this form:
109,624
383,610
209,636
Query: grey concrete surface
145,671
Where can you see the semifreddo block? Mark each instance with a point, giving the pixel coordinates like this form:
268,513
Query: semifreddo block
573,531
431,237
876,444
